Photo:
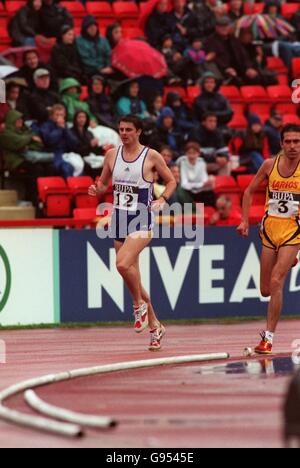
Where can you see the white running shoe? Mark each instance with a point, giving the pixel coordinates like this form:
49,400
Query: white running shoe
156,337
141,318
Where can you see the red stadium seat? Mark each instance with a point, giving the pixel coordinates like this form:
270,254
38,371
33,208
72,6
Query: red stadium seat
13,6
238,121
76,8
276,64
192,93
289,9
55,197
252,9
260,108
79,189
133,33
279,93
238,108
291,119
254,93
287,108
127,13
259,197
283,79
84,93
232,93
85,214
296,67
100,9
256,214
226,184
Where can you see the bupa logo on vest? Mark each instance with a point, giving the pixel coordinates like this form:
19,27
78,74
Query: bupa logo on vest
5,278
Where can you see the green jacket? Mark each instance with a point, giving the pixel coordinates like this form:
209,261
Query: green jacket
94,58
15,142
72,100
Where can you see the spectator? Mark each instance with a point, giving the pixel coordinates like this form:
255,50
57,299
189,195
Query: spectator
100,103
155,107
42,99
176,63
167,153
114,34
226,214
65,59
25,25
70,91
167,131
196,185
253,146
184,122
257,55
176,198
32,63
59,140
236,9
158,24
231,57
206,17
94,50
210,100
16,97
184,24
53,18
272,130
211,141
131,103
273,9
197,60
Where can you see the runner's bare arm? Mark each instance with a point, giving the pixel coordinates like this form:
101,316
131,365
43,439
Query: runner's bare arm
101,186
260,177
164,172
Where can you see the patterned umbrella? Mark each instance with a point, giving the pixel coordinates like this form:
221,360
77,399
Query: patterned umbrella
264,26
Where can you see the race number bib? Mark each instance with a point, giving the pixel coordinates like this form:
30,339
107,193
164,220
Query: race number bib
284,204
126,197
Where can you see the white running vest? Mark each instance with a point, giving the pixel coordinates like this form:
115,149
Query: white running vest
129,186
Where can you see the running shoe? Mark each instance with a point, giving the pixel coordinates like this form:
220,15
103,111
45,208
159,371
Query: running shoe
156,337
265,346
141,318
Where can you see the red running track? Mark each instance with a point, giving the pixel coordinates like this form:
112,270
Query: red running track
164,407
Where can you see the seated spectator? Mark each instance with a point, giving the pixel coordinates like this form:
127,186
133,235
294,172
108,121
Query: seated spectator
70,91
93,49
167,132
231,58
167,153
206,17
131,103
176,62
16,97
272,130
211,101
15,141
236,9
197,59
155,107
254,144
65,59
31,63
258,57
114,34
295,21
26,24
176,173
196,185
88,146
184,24
183,119
213,148
158,24
60,140
42,97
226,214
53,18
273,9
100,103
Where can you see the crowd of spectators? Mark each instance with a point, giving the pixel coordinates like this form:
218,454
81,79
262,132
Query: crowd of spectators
61,115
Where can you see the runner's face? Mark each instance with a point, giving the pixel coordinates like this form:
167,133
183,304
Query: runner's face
291,145
129,134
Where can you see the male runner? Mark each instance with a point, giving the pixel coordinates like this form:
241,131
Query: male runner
280,229
132,168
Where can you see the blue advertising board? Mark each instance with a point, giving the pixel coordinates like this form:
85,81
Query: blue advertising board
219,280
